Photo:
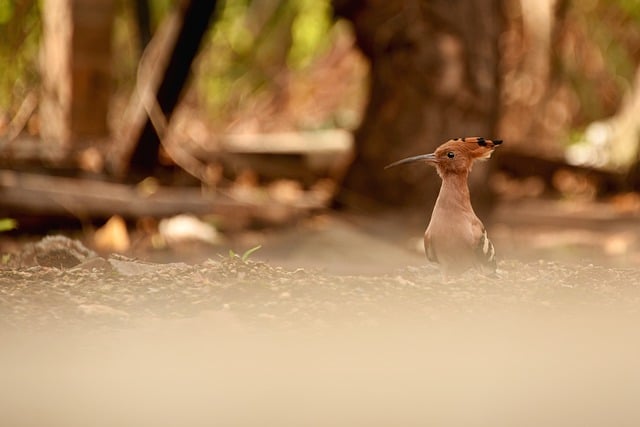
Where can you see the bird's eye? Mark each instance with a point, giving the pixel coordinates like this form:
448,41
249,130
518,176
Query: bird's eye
450,155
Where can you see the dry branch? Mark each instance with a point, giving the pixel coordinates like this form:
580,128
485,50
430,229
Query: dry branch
43,194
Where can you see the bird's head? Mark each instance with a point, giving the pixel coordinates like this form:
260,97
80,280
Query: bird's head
456,155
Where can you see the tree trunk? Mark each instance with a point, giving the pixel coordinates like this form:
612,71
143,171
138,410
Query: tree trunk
434,76
76,71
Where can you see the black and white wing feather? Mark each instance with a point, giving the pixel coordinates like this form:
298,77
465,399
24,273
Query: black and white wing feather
429,249
485,252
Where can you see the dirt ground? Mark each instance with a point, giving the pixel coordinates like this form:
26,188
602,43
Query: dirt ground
329,324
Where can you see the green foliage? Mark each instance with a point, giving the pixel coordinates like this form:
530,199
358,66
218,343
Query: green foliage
6,11
7,224
252,42
632,8
20,32
246,255
309,31
158,9
244,56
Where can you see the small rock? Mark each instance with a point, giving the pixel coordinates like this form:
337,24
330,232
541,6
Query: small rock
55,251
96,263
131,267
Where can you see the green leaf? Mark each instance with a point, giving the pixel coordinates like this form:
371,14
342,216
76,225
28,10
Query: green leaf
6,11
7,224
247,254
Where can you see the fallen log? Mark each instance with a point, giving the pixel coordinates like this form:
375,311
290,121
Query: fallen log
30,193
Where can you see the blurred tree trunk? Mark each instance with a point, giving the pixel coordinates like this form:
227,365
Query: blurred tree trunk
434,76
76,70
533,93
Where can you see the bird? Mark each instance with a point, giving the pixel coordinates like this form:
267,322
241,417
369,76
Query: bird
455,238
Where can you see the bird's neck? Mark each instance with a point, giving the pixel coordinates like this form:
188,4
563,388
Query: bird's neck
454,193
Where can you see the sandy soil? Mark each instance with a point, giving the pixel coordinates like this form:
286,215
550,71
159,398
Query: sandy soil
113,341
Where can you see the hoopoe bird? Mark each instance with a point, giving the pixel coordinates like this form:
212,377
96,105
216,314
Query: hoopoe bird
456,238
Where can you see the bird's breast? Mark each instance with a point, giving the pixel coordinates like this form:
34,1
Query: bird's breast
450,239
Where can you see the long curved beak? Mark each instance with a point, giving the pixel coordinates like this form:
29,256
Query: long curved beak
429,158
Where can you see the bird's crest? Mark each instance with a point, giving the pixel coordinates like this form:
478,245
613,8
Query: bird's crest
475,146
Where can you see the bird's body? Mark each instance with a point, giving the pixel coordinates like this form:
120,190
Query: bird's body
456,238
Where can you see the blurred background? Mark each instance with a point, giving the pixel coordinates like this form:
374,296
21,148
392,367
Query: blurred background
181,129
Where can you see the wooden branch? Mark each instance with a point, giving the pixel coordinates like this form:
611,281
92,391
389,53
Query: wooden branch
522,165
50,195
304,156
166,73
330,141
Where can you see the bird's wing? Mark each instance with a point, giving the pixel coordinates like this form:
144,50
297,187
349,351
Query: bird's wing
429,249
484,250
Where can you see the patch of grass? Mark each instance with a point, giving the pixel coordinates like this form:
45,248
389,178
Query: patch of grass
245,256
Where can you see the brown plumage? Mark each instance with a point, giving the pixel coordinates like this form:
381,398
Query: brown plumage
455,237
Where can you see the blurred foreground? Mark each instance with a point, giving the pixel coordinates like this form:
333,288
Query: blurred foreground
115,341
504,370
